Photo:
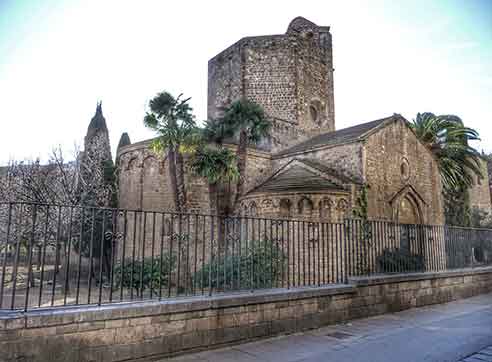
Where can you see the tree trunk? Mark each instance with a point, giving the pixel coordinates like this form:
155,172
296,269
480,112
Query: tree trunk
173,177
214,192
180,179
224,209
242,156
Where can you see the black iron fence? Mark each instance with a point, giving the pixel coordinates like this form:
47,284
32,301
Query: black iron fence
53,255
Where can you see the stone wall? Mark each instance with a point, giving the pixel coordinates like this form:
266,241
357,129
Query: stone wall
144,185
144,179
480,192
289,75
403,177
326,206
159,329
345,159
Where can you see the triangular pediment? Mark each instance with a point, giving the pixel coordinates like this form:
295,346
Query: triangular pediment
300,175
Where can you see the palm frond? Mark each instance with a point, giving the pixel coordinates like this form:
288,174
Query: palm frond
215,164
448,138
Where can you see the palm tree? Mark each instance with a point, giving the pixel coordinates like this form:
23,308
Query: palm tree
218,166
249,120
175,125
448,139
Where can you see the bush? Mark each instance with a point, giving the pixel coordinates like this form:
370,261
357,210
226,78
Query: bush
154,276
259,266
399,261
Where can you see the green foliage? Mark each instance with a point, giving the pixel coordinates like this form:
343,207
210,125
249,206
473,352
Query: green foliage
215,164
155,274
96,228
480,218
360,211
109,171
246,115
448,138
216,131
457,210
399,261
172,119
259,266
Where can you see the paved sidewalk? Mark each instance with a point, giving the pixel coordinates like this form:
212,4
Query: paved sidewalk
442,333
484,355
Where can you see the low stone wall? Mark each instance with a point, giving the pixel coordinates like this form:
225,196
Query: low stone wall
155,329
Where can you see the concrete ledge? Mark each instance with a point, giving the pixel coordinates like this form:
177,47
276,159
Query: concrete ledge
409,277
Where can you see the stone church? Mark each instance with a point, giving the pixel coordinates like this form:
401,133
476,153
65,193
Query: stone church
307,169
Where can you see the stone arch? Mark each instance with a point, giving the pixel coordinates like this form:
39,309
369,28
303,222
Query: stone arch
342,205
305,206
325,209
132,164
253,209
407,207
342,209
243,209
150,162
408,211
317,112
285,207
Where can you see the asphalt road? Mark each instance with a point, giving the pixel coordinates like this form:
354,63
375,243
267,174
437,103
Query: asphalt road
449,332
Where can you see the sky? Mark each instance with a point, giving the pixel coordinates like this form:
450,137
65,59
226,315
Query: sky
58,58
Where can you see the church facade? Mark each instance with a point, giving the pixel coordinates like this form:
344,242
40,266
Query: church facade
307,169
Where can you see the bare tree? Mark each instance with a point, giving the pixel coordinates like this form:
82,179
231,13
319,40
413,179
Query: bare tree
40,204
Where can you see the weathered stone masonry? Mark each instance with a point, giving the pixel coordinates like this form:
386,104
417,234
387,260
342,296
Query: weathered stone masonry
158,329
291,76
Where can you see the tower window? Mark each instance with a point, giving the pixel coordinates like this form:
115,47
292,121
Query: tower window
314,113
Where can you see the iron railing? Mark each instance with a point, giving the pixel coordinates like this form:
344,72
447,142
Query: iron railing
53,255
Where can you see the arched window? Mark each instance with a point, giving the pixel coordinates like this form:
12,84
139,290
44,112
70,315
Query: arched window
342,209
316,112
132,164
253,210
325,207
405,169
305,206
285,208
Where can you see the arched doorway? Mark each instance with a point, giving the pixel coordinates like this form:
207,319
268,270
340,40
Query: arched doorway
408,211
408,216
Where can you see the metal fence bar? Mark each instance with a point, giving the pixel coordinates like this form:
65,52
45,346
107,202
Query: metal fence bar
155,255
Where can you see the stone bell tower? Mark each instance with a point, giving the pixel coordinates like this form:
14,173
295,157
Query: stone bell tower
289,75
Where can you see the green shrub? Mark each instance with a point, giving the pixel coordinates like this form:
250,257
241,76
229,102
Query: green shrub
259,266
154,276
399,261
